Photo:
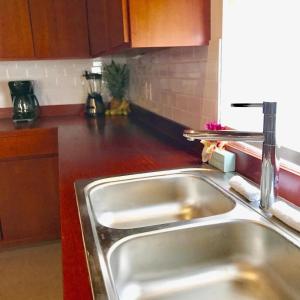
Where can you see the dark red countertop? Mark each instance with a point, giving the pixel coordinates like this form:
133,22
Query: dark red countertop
91,148
100,148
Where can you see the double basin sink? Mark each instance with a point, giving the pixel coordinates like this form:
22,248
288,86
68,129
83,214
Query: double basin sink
183,234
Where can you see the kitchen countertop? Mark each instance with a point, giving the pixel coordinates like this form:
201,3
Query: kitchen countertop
90,148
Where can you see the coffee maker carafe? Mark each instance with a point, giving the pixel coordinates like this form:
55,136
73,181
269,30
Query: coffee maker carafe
25,103
94,104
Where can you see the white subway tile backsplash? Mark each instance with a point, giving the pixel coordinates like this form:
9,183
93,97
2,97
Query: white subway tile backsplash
3,74
210,91
184,83
35,72
17,72
180,103
4,94
55,81
178,83
200,53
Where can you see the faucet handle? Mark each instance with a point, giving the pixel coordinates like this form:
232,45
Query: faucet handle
269,108
246,104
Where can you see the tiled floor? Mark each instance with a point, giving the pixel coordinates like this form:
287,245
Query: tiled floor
32,273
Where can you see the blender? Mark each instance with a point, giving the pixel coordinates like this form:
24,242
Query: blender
94,104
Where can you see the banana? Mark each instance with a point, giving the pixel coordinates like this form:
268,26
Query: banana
122,109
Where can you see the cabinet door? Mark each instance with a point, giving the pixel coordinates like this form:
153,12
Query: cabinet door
15,30
167,23
97,21
59,28
117,23
29,205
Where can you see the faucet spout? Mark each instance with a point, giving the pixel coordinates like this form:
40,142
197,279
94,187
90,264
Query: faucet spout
223,135
270,166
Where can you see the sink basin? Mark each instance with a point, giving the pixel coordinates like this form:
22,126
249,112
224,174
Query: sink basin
240,260
133,202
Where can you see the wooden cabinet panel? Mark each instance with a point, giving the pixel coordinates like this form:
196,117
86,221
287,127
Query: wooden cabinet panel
97,21
108,25
148,23
29,206
117,23
166,23
76,28
59,28
72,32
15,30
28,142
1,232
29,199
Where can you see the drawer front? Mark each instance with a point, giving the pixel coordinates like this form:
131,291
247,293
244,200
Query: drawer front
28,143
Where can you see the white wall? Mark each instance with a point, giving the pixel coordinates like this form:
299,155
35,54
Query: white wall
261,62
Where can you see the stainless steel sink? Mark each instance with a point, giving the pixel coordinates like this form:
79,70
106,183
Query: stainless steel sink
232,260
133,202
204,242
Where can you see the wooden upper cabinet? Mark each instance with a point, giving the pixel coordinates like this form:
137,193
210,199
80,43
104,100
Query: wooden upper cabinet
78,28
117,23
108,25
59,28
168,23
97,22
15,30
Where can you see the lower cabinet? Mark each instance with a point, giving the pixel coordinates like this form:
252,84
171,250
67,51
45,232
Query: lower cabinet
29,198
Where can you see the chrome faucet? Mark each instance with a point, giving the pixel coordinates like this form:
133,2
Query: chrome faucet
269,166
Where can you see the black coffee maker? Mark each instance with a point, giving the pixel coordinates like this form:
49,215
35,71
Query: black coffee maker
94,103
25,103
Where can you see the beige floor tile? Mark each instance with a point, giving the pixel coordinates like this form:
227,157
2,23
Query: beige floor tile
31,273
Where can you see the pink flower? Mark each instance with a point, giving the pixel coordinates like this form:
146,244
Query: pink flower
214,126
211,146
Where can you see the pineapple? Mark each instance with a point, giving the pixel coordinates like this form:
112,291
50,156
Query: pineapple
117,79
